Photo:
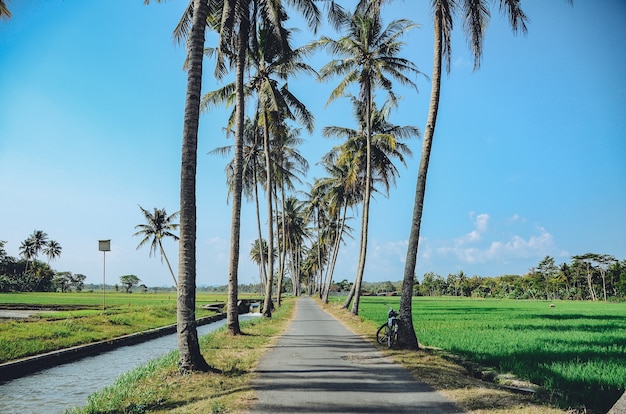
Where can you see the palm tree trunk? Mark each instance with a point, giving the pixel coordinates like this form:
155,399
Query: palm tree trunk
407,331
366,201
190,358
262,268
168,264
283,255
232,311
267,305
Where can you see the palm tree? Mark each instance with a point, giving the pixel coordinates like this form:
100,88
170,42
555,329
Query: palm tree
52,250
253,161
271,57
40,239
292,223
475,18
287,165
368,55
190,358
315,210
158,225
238,18
28,251
258,254
339,193
385,145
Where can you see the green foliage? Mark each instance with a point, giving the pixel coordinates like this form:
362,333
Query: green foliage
587,277
575,350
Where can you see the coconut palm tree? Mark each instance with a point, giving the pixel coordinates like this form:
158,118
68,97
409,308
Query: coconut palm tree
40,239
253,169
270,64
158,225
238,18
292,225
52,250
475,15
385,145
258,254
28,251
287,165
190,358
339,193
368,55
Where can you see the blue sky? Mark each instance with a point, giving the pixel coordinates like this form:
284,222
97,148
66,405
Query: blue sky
529,157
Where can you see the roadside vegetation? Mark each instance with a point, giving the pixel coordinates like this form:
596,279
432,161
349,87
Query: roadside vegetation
574,351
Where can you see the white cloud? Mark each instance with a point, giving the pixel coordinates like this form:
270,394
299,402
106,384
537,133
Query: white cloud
477,247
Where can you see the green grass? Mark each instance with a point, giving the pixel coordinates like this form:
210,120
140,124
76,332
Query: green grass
574,350
85,321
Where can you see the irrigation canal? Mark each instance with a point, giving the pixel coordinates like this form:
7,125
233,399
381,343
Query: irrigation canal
56,389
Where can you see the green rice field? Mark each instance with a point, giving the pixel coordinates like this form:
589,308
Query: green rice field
575,350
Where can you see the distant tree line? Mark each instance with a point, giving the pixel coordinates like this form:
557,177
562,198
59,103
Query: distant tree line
587,277
29,274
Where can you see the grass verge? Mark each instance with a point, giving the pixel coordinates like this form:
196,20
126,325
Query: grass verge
158,388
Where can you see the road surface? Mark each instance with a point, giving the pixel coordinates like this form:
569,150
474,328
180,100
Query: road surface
319,366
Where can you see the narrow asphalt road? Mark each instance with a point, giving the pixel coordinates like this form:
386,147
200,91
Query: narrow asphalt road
319,366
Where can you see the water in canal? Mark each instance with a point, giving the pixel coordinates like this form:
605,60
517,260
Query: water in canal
55,389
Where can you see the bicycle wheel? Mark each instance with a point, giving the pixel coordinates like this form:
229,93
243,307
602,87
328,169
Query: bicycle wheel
393,335
382,334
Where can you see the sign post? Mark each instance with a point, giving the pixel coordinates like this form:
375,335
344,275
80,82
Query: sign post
104,246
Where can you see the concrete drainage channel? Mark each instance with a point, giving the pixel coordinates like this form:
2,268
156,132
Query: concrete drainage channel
20,367
68,384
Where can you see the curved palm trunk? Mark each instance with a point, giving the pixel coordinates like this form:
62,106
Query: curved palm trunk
366,201
168,264
267,304
190,358
407,336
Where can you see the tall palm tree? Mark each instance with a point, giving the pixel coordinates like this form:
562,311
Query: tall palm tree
238,18
475,15
292,223
385,145
271,60
253,170
158,225
340,192
190,358
52,250
367,55
287,165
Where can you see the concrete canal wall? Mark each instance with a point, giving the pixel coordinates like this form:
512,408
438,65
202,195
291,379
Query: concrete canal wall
20,367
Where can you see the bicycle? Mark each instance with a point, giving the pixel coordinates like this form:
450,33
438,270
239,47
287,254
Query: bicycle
388,331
